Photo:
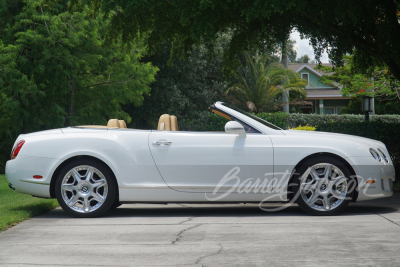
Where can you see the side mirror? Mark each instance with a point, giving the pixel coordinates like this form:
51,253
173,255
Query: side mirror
233,127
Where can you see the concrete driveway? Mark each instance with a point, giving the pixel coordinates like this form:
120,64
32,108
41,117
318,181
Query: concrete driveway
367,234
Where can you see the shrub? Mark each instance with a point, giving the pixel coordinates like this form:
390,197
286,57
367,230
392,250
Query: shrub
305,128
280,119
215,123
285,120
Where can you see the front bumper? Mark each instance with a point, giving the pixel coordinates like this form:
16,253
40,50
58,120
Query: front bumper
20,172
375,179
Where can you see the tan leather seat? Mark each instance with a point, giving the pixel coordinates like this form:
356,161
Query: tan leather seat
114,123
167,123
164,123
174,123
122,124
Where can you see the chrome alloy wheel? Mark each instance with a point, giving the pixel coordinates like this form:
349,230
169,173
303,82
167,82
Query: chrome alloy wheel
323,187
84,189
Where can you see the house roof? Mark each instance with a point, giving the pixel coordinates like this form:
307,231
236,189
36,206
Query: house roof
299,66
318,93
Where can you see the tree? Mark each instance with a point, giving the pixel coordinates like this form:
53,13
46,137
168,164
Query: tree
185,88
370,28
291,50
303,59
258,85
378,83
55,71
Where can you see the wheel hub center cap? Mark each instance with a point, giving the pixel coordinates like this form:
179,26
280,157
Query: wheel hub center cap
323,187
84,189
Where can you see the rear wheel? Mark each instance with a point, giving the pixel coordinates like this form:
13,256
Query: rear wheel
85,188
324,186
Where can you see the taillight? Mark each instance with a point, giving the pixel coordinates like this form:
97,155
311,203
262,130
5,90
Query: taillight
17,148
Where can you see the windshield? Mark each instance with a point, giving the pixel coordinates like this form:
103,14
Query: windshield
266,123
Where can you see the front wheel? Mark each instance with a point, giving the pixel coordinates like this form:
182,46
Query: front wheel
85,188
324,186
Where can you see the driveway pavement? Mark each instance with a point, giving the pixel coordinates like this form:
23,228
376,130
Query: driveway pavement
367,234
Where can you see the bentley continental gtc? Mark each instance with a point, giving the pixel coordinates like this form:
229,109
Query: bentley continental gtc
92,169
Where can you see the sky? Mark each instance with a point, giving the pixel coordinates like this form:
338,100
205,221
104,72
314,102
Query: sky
303,47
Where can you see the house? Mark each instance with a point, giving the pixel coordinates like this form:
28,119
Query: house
325,98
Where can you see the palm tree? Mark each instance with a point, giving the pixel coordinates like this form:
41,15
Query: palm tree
258,84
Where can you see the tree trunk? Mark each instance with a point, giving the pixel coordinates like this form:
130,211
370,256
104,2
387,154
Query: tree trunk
71,115
284,62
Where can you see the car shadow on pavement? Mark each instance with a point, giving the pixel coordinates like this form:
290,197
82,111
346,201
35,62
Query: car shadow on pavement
218,210
232,211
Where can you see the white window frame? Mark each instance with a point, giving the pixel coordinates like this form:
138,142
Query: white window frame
308,77
334,110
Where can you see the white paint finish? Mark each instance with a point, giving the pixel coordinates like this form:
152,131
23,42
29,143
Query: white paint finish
194,162
21,170
198,161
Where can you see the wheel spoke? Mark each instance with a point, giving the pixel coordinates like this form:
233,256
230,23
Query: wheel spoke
69,187
326,202
314,174
86,205
89,174
327,171
73,200
313,198
308,187
338,195
305,175
340,180
75,174
97,197
99,183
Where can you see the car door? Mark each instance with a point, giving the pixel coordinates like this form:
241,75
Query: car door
201,161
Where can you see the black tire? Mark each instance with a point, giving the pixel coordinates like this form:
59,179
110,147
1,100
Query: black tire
116,204
315,209
105,193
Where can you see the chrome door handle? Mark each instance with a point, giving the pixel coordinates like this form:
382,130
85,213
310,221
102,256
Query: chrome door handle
162,143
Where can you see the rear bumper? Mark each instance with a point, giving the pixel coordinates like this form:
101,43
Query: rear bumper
375,179
20,172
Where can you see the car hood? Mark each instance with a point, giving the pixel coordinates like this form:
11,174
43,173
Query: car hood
337,136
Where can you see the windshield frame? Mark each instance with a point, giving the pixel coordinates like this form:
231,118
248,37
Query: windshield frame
258,119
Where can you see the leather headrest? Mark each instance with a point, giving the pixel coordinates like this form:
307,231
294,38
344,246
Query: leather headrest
164,123
174,123
122,124
113,123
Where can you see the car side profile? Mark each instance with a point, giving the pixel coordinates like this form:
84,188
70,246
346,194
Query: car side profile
91,169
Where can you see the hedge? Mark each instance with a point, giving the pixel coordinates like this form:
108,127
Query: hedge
285,120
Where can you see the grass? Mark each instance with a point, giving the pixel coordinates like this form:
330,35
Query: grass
16,207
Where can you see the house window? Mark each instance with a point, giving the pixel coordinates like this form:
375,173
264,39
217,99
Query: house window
329,111
305,77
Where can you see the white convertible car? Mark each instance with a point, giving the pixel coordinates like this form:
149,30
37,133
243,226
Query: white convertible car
91,169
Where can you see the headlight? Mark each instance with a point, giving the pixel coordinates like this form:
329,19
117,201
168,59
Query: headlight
375,154
384,156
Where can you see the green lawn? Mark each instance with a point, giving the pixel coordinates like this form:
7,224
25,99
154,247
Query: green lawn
16,207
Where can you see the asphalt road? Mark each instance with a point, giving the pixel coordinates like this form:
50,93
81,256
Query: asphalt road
367,234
